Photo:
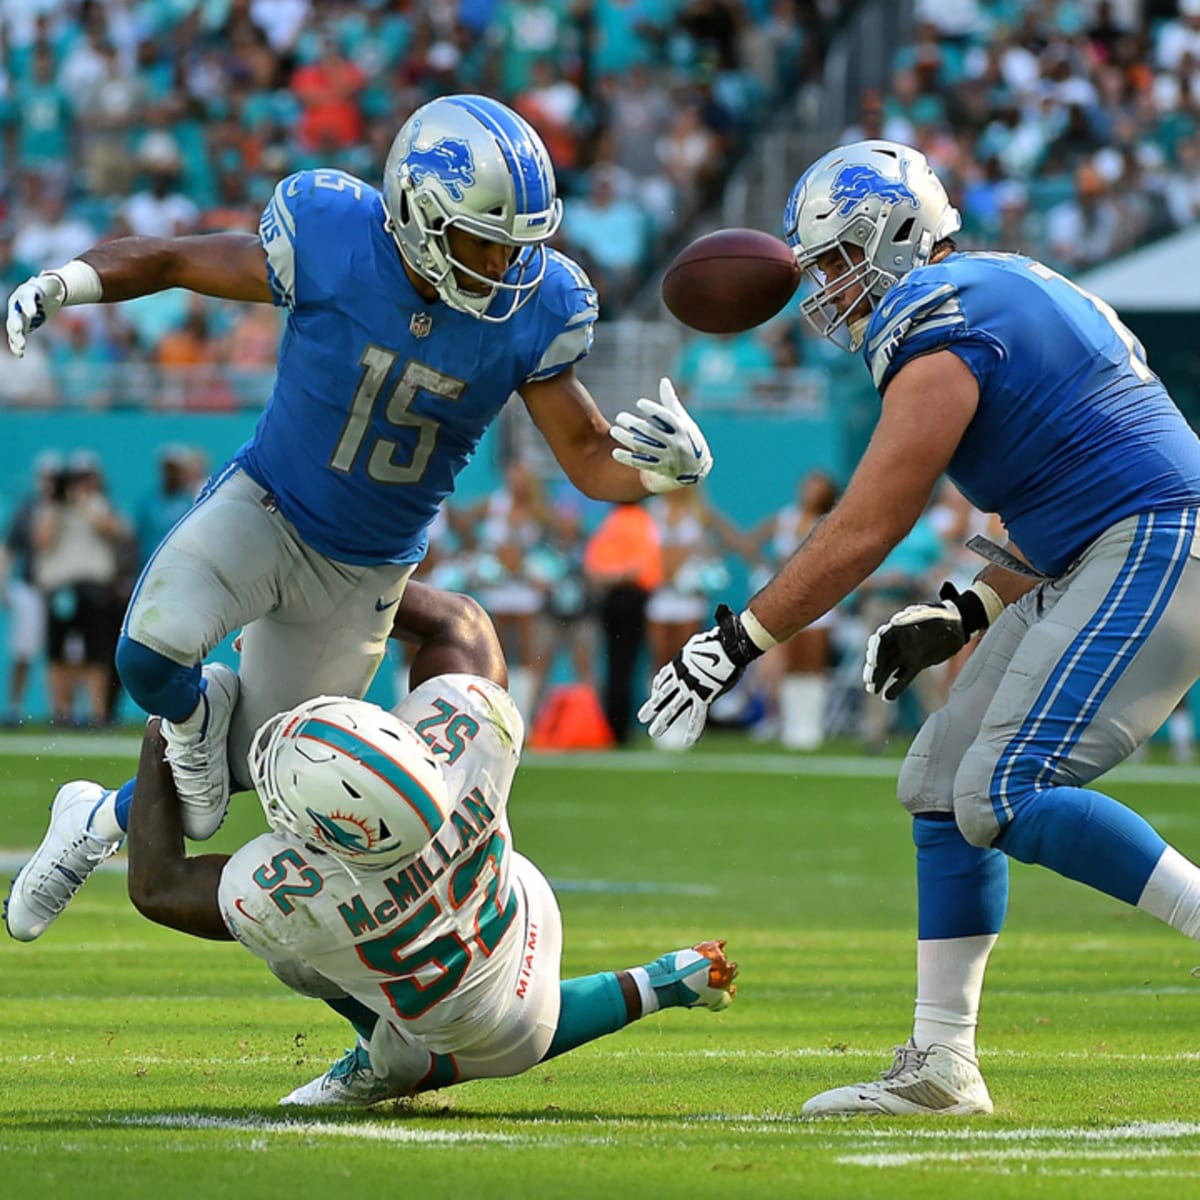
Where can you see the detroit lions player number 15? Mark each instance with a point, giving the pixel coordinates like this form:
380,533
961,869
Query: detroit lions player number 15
413,314
1038,403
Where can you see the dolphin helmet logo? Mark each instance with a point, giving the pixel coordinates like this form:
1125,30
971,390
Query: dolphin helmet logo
448,160
855,183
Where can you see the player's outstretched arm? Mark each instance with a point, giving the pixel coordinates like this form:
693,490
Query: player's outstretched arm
232,266
659,448
166,885
453,634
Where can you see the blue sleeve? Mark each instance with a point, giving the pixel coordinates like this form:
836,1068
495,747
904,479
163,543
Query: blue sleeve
925,312
569,302
305,231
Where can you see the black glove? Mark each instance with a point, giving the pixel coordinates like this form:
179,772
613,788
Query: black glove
920,636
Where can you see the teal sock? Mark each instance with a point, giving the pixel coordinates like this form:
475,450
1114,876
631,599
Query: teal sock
357,1013
443,1071
592,1006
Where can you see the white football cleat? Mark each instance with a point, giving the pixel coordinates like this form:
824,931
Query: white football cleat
349,1083
939,1081
69,853
200,761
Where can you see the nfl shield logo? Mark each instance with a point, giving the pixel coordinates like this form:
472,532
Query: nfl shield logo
420,325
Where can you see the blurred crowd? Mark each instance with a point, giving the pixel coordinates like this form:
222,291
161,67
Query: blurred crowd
1067,129
589,599
161,117
69,562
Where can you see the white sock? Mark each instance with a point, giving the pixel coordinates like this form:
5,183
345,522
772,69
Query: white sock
1172,893
802,711
103,821
949,987
641,977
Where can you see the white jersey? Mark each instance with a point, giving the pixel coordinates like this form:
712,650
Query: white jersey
433,943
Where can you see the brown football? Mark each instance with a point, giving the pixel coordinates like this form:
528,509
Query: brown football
730,281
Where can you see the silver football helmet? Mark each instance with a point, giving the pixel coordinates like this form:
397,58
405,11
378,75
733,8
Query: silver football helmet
881,198
468,162
350,778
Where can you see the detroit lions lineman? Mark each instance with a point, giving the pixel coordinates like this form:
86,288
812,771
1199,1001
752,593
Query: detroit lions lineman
389,886
1037,402
412,316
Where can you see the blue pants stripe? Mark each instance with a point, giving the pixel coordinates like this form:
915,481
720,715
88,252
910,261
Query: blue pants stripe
1073,693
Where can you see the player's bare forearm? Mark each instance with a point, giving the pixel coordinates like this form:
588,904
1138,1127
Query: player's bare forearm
577,433
232,266
926,409
453,634
166,885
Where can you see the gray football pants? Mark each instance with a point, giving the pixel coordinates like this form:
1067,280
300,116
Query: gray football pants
311,626
1068,681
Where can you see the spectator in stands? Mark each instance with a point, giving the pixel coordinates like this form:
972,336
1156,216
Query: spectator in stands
50,231
160,209
692,537
566,623
1087,228
794,675
507,525
690,154
41,119
1179,37
719,370
173,494
623,562
608,234
75,537
328,91
26,606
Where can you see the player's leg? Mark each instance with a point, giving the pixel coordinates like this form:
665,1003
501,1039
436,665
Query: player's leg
962,898
1104,667
219,568
328,636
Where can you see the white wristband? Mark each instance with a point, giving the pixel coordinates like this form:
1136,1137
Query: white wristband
657,484
990,598
81,283
757,631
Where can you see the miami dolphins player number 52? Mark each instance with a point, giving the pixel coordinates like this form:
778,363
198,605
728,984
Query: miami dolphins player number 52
413,314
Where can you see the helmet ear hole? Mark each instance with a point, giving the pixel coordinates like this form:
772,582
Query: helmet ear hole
904,233
354,795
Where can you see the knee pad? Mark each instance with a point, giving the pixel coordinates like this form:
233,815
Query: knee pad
973,808
158,684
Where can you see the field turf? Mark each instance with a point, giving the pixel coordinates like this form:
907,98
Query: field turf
136,1062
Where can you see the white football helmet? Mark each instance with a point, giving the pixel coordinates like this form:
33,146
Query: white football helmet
350,778
471,163
880,197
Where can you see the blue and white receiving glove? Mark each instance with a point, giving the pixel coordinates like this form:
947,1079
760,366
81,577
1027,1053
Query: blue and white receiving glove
709,664
664,445
36,300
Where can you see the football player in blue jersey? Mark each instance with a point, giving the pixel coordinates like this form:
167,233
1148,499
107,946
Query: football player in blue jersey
413,313
1037,402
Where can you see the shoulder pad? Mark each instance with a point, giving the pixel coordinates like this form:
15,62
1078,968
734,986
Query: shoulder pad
924,301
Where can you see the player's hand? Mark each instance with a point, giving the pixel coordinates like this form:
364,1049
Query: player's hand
31,305
707,667
663,443
920,636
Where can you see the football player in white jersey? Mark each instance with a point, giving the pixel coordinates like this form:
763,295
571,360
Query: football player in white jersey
414,312
1037,402
389,886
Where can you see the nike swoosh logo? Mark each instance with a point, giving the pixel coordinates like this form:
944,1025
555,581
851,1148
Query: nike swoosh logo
242,909
381,607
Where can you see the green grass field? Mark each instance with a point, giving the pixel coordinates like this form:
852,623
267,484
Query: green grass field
138,1062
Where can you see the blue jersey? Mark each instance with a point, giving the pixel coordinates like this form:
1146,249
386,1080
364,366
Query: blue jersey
381,396
1073,431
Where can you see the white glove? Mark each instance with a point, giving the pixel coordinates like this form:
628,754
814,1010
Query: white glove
663,444
709,664
31,305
